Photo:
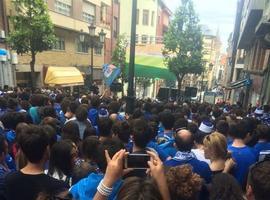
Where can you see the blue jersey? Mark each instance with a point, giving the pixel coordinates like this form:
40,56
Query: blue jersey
244,158
260,146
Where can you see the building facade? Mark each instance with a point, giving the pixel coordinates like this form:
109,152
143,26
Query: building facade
8,59
250,77
69,17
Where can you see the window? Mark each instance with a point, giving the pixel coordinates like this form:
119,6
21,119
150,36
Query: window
103,12
153,18
115,27
137,38
59,44
89,12
98,51
138,16
81,46
145,17
63,7
144,39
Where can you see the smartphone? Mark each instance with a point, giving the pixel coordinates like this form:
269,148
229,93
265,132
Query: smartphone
264,155
137,161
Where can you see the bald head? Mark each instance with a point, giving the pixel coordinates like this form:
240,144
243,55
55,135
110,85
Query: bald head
184,140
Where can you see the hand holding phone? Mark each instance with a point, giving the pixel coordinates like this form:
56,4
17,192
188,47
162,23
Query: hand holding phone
137,161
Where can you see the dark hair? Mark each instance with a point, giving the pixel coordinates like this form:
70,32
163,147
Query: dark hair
225,187
34,142
135,188
114,107
61,158
239,130
81,113
192,127
263,132
11,119
50,131
37,100
2,144
180,123
95,101
184,145
3,103
122,130
140,132
104,127
89,148
258,179
71,131
167,119
59,98
12,103
48,111
222,127
89,131
113,146
73,106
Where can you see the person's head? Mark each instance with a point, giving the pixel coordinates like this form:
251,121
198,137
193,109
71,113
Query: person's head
71,131
183,183
81,113
34,143
135,188
104,127
121,130
167,119
258,185
215,146
12,104
11,119
89,131
140,133
222,127
89,148
225,187
184,140
238,130
3,103
62,157
51,134
59,98
192,127
180,124
37,100
112,146
3,148
53,122
71,110
95,101
263,132
114,107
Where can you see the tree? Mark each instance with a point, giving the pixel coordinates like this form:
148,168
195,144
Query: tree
119,57
33,30
144,82
183,44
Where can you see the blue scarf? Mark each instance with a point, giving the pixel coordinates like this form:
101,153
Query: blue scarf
184,156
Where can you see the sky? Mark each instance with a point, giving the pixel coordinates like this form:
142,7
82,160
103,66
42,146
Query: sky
216,14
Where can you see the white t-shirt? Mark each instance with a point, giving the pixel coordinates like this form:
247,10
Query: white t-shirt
199,153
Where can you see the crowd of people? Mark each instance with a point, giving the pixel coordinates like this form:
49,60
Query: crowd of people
58,146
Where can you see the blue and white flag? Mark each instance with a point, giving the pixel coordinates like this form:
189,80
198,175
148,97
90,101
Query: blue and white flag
110,72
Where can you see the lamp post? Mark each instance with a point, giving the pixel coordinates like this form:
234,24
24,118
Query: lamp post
92,41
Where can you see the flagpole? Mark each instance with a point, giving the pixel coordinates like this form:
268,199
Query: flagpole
130,93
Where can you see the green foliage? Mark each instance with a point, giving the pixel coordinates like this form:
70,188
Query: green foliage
183,42
119,53
32,28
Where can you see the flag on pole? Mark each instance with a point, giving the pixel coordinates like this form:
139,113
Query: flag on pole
110,72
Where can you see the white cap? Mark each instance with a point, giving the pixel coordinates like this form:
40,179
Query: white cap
206,127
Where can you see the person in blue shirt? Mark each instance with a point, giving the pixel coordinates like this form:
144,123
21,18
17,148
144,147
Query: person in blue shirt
242,154
167,120
263,144
86,188
184,143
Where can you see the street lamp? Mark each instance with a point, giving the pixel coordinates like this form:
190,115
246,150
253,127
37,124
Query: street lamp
92,41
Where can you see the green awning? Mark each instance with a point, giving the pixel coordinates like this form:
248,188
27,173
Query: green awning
150,67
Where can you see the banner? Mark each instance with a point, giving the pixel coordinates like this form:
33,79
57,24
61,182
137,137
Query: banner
110,72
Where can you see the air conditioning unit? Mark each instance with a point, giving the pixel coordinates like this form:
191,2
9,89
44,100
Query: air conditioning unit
2,34
14,58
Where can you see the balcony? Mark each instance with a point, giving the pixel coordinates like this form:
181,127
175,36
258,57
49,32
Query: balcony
264,25
251,15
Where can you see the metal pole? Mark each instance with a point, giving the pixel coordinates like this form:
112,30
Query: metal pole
91,67
131,97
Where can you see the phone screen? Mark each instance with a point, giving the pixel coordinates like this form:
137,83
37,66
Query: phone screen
137,161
